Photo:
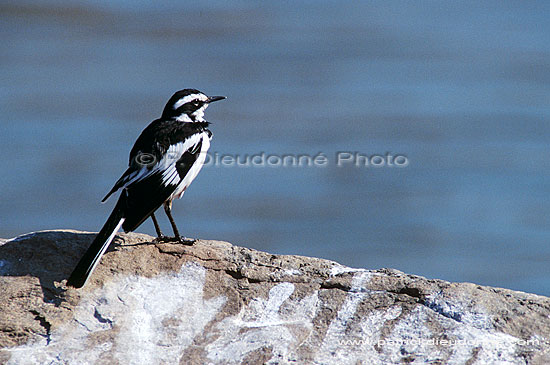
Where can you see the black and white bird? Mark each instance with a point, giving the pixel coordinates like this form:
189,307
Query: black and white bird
165,159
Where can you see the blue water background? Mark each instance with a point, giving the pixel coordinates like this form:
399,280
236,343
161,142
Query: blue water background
461,88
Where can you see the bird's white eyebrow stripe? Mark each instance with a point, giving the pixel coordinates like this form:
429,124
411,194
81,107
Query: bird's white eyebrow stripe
189,98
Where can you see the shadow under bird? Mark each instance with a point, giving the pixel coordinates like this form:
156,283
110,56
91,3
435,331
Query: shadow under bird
165,159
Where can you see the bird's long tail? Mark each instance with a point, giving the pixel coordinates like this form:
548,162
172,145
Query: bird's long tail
89,261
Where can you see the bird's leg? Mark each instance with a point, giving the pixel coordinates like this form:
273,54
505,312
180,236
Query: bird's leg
168,211
160,237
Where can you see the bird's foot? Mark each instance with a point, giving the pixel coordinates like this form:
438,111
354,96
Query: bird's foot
179,239
162,239
185,240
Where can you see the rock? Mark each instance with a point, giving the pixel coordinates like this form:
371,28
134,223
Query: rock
167,303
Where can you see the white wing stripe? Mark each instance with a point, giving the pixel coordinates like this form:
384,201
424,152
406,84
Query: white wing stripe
167,163
171,177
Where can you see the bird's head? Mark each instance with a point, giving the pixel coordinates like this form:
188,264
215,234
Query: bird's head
188,105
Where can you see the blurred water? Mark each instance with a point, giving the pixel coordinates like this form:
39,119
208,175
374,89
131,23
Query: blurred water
461,88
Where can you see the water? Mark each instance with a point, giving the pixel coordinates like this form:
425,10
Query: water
461,89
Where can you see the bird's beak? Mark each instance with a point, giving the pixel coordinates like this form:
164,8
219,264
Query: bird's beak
215,98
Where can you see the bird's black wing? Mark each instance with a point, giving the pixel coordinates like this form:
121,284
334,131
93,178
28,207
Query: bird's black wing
159,162
154,141
145,195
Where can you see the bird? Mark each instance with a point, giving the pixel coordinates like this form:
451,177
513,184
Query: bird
165,159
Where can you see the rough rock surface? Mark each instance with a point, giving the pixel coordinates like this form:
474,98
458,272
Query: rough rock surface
166,303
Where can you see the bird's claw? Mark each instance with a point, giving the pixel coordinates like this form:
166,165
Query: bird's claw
179,239
162,239
185,240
